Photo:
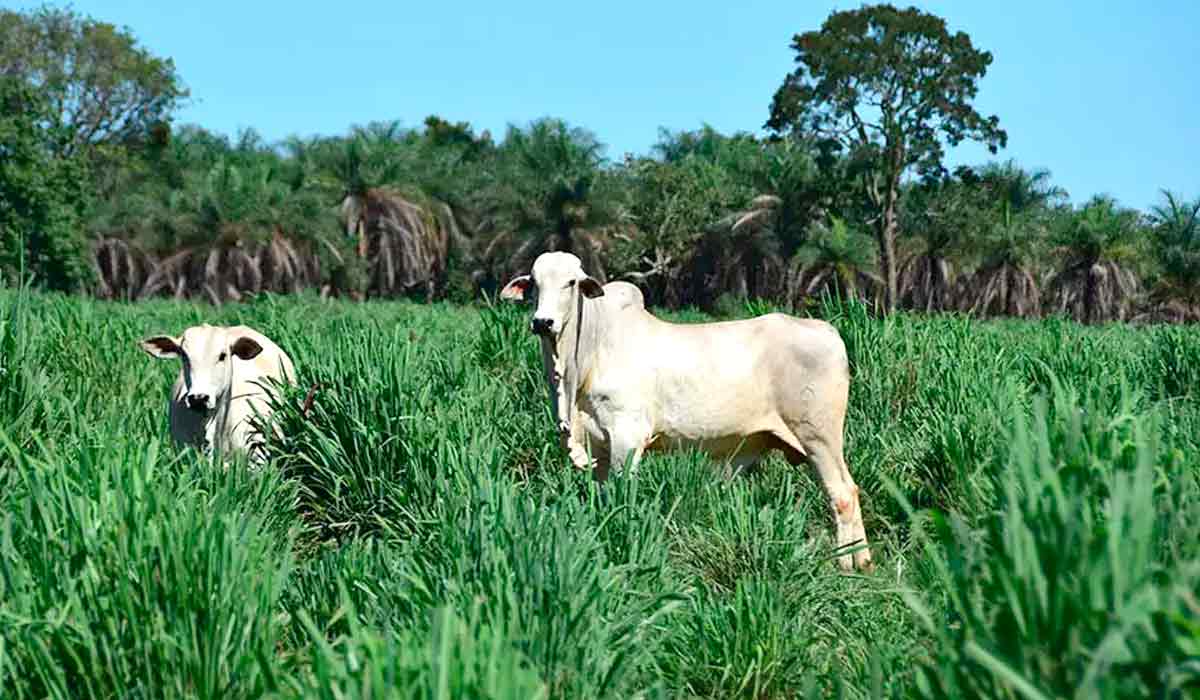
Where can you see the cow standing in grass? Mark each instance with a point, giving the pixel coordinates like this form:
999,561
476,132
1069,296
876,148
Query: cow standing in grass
222,384
623,381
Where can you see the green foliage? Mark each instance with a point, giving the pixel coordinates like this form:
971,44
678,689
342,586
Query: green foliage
43,194
1176,230
547,193
836,257
886,86
920,77
443,212
1100,231
1100,240
673,205
420,531
106,90
1063,591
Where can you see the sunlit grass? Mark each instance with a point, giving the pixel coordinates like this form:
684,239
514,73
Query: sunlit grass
1030,488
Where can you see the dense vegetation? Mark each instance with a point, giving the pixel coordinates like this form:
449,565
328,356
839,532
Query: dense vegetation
1029,483
101,192
1030,488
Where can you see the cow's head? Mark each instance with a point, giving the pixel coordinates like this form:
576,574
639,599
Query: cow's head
207,354
557,280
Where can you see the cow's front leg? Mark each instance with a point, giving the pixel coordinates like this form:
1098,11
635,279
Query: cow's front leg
577,451
627,439
575,442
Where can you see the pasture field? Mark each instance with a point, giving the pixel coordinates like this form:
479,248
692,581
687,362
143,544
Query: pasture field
1032,491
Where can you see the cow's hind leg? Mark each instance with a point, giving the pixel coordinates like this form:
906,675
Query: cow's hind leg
830,467
847,506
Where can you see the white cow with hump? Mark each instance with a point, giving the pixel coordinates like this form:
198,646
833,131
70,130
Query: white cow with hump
623,381
221,384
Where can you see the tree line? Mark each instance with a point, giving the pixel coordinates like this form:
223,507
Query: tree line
847,194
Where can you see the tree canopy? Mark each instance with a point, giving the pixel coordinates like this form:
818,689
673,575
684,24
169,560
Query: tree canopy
101,86
888,87
42,193
100,192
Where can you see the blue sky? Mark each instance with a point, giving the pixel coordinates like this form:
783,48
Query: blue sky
1108,101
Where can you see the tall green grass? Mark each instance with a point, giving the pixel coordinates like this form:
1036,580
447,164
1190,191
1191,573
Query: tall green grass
1031,491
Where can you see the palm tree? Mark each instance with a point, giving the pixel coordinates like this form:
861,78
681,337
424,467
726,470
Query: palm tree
236,228
836,259
1023,190
401,232
745,250
544,197
742,248
943,216
1004,284
1096,284
1010,243
1176,229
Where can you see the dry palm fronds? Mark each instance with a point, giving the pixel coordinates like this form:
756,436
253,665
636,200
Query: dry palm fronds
406,245
283,268
926,283
121,269
1093,293
1172,311
219,273
1002,290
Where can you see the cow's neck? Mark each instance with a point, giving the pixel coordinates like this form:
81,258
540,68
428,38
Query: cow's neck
572,356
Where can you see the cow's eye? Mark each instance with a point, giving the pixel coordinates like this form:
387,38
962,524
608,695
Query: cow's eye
571,283
221,358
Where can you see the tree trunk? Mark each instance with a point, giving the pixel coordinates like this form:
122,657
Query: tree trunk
566,241
887,229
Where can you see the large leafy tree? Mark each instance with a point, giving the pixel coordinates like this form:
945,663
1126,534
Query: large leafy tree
675,206
888,86
103,88
42,194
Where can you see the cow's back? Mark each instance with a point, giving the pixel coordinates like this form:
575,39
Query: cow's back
703,383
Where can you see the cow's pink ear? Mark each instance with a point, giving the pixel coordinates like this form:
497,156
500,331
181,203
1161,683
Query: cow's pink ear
517,289
246,348
161,346
590,288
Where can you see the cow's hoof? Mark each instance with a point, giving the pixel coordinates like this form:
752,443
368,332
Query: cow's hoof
859,561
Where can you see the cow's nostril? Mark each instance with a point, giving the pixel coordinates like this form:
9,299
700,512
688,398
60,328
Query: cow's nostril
197,402
541,326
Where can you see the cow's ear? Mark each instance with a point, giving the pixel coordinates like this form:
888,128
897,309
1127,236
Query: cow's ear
162,347
517,289
246,348
590,288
